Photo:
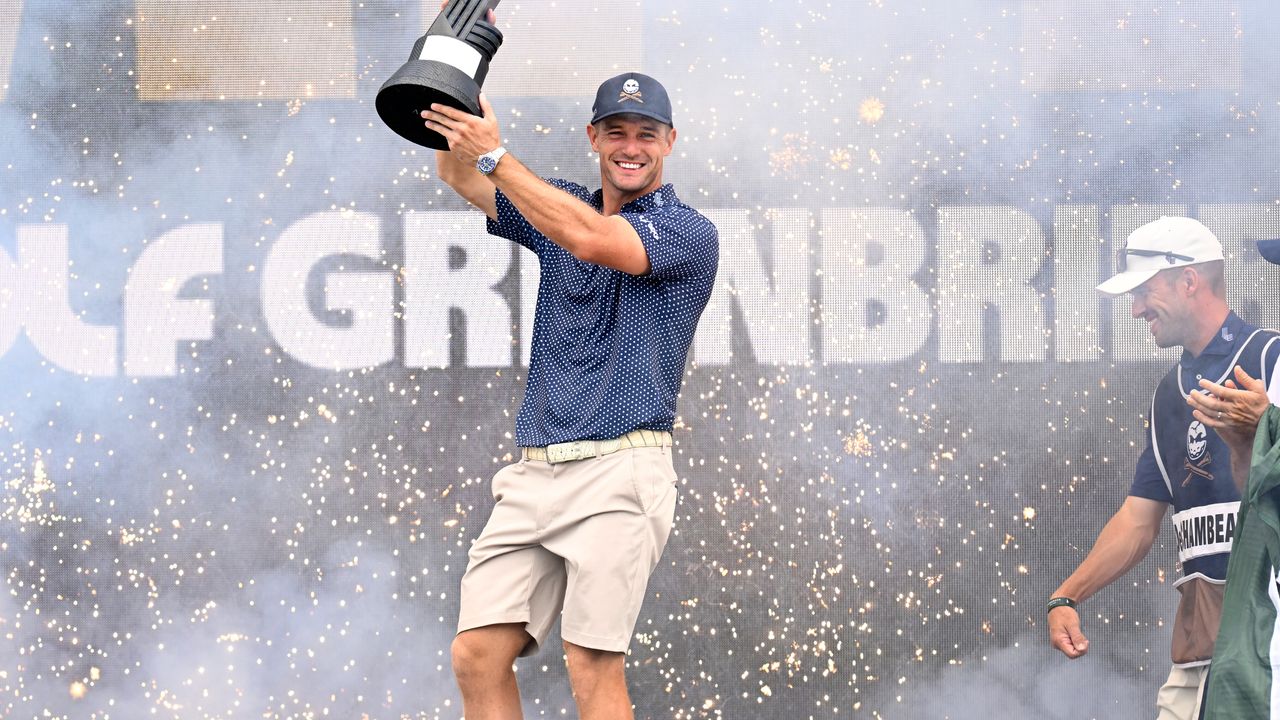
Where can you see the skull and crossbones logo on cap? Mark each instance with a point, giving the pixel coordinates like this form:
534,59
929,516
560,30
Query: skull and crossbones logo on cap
630,91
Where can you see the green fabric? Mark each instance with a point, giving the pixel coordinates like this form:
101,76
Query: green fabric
1240,678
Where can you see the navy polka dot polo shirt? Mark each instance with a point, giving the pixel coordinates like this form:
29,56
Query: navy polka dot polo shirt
609,348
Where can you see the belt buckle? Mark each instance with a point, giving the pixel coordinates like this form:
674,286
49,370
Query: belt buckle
566,452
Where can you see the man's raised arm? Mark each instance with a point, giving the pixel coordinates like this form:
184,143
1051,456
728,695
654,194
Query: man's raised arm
467,181
570,223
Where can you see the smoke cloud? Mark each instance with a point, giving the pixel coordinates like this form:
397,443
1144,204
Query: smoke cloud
906,419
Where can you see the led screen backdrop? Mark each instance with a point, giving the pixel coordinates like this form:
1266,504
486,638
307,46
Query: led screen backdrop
257,364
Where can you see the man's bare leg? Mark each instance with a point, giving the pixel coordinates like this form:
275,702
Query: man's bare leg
599,683
482,659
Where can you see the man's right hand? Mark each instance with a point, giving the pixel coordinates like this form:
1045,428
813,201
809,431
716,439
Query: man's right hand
1233,408
1065,634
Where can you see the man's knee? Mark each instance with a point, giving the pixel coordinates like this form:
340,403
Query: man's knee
468,658
480,656
590,661
599,682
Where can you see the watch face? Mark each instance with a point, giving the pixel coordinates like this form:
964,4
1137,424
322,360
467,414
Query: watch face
486,164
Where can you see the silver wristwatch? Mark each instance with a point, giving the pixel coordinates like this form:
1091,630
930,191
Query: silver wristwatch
488,162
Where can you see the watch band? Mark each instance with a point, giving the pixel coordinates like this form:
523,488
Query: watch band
1060,602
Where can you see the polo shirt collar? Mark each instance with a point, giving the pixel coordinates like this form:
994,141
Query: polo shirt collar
664,196
1223,342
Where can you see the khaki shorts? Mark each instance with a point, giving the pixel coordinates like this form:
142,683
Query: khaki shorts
576,540
1182,694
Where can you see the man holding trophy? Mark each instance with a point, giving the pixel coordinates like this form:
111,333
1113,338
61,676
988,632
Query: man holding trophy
580,522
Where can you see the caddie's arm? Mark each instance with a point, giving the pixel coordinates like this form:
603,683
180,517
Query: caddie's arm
567,221
1123,542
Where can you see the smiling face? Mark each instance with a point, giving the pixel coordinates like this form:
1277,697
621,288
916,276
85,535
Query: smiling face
632,148
1160,302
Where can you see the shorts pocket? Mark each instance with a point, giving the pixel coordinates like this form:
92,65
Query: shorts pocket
652,476
501,479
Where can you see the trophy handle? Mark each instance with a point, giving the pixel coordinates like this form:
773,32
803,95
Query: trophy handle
468,21
461,16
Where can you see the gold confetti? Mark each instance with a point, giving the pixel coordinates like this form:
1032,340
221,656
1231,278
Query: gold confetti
871,110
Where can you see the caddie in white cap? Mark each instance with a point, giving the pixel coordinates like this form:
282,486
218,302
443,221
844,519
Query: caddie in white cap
1173,269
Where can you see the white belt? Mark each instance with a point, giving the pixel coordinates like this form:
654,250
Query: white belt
582,449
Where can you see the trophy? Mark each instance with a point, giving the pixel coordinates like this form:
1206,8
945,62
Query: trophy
447,66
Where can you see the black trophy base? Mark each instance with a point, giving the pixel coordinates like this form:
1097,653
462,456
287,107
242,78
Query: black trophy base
417,85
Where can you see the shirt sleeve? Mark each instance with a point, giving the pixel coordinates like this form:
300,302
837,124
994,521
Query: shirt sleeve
510,223
1148,481
680,242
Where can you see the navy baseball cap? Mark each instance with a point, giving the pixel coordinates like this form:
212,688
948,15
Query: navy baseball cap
632,93
1270,250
